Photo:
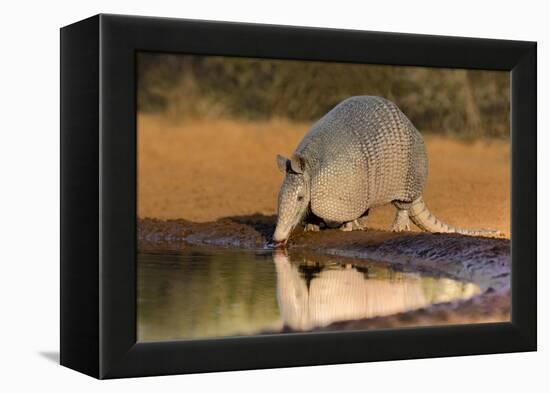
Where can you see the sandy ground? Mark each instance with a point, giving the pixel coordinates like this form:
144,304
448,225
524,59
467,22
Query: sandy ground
206,171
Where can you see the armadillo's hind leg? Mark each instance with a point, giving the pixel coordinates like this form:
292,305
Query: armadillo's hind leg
401,221
347,226
360,224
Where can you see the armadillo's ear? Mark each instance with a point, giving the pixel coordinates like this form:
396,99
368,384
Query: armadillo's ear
297,164
281,163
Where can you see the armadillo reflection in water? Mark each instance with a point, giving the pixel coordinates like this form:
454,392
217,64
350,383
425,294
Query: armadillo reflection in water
318,295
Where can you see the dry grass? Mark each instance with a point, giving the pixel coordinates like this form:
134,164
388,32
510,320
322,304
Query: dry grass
203,171
452,102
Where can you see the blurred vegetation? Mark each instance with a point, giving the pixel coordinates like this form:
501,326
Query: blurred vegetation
466,103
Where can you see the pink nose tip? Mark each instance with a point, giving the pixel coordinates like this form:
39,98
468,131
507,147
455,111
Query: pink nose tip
279,243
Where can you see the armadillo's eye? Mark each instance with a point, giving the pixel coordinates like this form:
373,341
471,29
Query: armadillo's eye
300,198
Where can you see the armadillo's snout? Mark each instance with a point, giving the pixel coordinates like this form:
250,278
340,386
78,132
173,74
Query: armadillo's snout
280,244
279,239
292,206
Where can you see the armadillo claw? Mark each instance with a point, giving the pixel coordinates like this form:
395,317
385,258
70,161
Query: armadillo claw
401,222
398,228
347,227
311,228
358,225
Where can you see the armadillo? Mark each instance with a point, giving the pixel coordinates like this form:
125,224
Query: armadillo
362,154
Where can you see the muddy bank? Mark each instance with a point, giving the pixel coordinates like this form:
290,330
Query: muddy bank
236,232
483,261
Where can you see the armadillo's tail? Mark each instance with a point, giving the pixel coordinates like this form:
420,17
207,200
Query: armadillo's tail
422,218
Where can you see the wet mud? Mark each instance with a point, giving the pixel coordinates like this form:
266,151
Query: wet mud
483,261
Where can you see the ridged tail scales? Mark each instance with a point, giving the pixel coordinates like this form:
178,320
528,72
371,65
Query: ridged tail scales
422,218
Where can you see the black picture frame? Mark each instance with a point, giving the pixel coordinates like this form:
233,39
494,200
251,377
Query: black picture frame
98,196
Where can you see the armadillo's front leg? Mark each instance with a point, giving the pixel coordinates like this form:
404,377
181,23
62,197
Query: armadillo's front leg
355,225
346,226
358,224
311,227
401,222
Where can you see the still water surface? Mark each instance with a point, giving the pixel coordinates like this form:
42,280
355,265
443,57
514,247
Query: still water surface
207,292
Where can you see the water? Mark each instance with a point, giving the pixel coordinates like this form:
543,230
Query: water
206,292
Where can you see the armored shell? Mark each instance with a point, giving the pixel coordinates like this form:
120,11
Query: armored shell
363,153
